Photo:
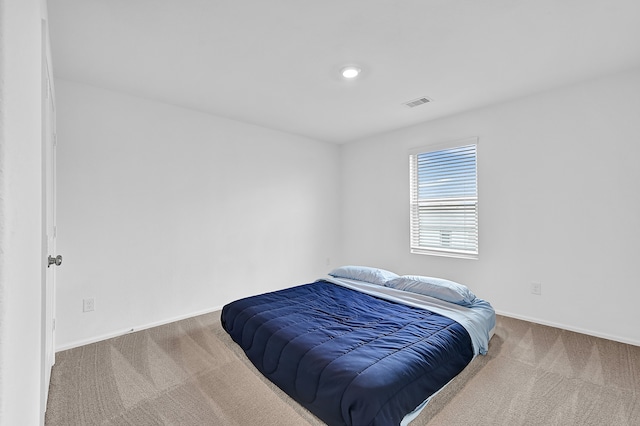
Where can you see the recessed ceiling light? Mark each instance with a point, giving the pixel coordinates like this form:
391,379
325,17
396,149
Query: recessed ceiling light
350,72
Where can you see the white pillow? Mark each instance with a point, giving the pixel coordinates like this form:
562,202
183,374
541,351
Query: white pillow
442,289
364,273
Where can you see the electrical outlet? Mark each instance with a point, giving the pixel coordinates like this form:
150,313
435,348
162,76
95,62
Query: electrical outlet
536,288
88,305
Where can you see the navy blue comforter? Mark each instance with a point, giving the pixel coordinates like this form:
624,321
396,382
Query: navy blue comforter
348,357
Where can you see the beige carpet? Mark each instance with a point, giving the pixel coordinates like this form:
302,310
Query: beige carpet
191,373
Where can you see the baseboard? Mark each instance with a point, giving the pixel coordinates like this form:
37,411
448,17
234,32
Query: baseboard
95,339
570,328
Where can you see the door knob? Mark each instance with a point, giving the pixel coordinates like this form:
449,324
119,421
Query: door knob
55,260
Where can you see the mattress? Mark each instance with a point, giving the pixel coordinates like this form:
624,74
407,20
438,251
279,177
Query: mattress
353,353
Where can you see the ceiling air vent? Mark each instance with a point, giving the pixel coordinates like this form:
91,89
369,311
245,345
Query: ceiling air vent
417,102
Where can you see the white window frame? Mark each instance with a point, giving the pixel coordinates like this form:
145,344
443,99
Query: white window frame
467,202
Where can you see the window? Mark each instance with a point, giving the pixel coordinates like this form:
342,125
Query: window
444,200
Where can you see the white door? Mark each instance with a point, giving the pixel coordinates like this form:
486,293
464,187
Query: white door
51,259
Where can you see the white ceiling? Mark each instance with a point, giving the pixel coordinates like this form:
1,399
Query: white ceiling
276,63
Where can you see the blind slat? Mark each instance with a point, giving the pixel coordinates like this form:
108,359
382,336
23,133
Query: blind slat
444,201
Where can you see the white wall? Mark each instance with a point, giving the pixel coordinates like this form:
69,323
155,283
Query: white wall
164,212
559,203
21,261
155,221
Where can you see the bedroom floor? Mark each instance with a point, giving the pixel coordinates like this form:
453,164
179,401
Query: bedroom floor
191,373
538,375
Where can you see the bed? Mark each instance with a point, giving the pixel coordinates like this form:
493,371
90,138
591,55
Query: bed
365,346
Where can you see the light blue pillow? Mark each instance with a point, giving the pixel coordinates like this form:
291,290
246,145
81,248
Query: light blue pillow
442,289
364,273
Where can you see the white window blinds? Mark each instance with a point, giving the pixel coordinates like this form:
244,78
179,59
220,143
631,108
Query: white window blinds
444,201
